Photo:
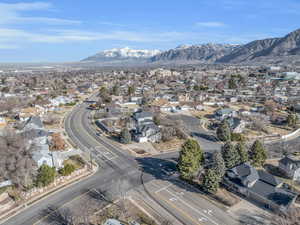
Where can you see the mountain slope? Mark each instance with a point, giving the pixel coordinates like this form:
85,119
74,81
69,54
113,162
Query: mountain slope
206,53
121,54
274,49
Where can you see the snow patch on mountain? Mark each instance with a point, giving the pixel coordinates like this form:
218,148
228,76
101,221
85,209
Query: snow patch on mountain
129,53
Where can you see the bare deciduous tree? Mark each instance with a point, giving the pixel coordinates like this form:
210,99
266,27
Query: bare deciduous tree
16,163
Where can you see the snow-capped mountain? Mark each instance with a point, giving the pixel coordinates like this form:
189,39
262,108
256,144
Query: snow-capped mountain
122,54
205,53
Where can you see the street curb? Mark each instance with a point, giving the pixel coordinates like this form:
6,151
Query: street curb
46,195
142,209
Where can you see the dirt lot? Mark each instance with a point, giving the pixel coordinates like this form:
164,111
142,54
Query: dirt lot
248,213
207,112
226,198
125,211
172,145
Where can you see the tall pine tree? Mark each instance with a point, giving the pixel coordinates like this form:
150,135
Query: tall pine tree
243,154
223,131
218,164
230,155
211,181
257,154
190,159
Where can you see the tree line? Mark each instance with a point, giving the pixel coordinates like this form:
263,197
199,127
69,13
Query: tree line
191,163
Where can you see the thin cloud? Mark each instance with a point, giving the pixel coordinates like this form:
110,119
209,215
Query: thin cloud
17,36
12,14
22,6
210,24
8,46
113,24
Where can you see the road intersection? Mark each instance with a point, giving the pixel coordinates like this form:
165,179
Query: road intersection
116,164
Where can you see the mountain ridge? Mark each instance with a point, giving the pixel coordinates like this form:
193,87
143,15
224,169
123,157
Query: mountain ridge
122,54
270,50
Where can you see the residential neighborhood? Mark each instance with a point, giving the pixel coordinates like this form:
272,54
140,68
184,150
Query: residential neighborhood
153,112
149,112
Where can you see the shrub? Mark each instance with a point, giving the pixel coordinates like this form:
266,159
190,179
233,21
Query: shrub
46,175
238,137
78,159
67,170
125,136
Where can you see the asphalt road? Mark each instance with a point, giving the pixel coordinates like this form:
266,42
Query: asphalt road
187,204
116,167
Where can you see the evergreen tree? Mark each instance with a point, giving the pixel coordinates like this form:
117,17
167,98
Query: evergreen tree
292,119
232,83
243,154
125,136
46,175
230,155
115,90
257,154
67,170
218,164
102,91
211,181
190,159
130,90
223,131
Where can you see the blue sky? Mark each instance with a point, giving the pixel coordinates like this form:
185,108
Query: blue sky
69,30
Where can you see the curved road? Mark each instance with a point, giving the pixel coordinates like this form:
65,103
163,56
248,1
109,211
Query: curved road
114,164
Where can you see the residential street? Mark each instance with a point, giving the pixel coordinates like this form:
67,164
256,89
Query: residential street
114,165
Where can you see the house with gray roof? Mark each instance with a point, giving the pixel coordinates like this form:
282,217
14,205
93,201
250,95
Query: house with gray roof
145,129
34,130
34,122
113,222
259,186
291,167
148,132
143,117
236,125
225,113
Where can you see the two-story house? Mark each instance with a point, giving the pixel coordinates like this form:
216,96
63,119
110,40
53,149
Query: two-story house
290,167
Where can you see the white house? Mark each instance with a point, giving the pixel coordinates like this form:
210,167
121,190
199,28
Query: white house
34,130
60,100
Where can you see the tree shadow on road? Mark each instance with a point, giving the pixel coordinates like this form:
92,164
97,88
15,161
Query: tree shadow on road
164,169
208,137
257,219
59,216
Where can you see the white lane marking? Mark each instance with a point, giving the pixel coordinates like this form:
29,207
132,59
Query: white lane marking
163,188
196,210
104,152
180,193
209,212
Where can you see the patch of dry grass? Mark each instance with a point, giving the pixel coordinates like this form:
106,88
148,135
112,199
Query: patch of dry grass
171,145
